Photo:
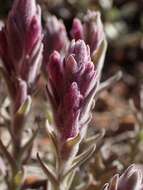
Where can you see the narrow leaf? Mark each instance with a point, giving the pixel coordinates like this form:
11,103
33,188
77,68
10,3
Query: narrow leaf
73,141
109,82
93,139
9,158
29,142
70,179
81,159
99,56
53,140
48,172
19,178
25,107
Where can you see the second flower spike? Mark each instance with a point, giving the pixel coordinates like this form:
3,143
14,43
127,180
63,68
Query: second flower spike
131,179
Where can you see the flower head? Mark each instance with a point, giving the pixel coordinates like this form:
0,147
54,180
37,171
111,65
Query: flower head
71,87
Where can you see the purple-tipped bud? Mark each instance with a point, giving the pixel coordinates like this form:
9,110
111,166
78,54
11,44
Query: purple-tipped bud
81,54
77,30
71,89
91,30
55,38
27,8
22,35
131,179
84,70
55,74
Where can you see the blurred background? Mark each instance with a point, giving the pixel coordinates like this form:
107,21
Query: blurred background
119,109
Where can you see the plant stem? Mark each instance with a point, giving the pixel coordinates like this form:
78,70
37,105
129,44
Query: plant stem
17,126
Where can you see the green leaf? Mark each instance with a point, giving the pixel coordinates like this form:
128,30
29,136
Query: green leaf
99,56
25,107
51,176
70,179
53,140
19,178
29,142
141,136
71,142
109,82
93,139
8,156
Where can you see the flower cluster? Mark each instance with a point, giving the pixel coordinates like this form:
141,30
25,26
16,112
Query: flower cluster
71,98
72,86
